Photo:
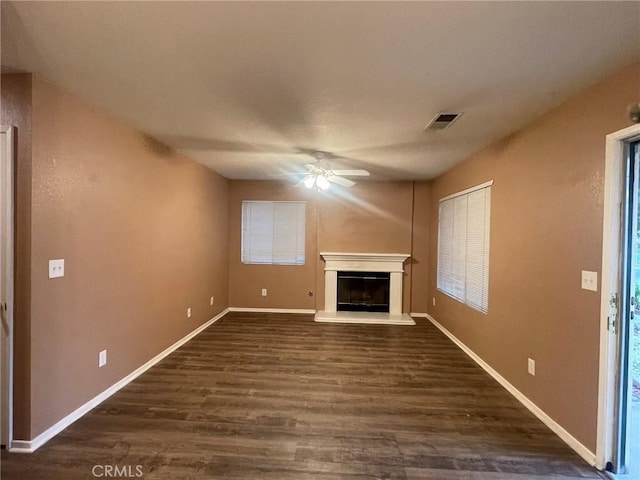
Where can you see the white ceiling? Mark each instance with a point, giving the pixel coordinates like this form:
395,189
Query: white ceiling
245,87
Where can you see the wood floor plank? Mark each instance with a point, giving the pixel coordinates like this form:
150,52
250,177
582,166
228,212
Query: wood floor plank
278,396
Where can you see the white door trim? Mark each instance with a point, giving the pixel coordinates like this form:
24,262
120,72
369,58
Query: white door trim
614,181
7,241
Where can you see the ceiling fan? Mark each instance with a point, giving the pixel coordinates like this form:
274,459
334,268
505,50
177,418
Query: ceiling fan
320,175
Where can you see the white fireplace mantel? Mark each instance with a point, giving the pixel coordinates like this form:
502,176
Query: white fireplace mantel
365,262
393,263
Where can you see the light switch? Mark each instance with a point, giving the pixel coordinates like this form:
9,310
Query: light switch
590,280
56,268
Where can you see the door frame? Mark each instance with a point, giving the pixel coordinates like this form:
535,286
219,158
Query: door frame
7,204
614,203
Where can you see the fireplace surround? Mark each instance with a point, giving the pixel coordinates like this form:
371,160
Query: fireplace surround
373,263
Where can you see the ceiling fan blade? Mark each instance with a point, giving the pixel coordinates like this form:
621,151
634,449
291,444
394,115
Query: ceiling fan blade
351,173
341,181
298,174
301,181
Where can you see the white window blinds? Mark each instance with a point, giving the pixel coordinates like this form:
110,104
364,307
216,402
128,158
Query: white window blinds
463,246
273,232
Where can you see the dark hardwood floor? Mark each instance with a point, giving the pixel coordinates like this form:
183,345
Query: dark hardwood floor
281,397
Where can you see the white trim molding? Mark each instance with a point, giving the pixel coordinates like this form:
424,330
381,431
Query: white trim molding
569,439
364,262
7,251
614,179
30,446
468,190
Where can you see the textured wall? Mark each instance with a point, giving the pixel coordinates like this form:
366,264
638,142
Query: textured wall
287,285
369,218
546,226
374,217
144,235
420,246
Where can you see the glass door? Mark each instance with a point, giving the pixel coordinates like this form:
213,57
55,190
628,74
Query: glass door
627,464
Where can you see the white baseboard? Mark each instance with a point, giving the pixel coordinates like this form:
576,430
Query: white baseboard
30,446
21,446
308,311
419,315
569,439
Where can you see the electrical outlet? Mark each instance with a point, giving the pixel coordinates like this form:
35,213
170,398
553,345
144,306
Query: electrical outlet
56,268
189,312
102,358
590,280
264,292
434,301
211,301
531,366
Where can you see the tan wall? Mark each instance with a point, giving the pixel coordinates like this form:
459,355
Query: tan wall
287,285
144,235
16,111
546,226
420,247
370,217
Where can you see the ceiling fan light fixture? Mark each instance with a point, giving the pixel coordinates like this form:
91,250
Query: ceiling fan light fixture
309,181
320,175
322,182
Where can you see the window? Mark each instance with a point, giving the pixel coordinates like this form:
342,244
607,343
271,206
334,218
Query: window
273,232
463,246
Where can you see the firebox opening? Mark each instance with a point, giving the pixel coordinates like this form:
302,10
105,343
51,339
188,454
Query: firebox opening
363,291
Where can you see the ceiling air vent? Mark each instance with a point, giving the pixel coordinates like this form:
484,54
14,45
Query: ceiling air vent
442,121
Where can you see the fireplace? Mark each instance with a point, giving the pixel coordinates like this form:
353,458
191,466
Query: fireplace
363,292
353,291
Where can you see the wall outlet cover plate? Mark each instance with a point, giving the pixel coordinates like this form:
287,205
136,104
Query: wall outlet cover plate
589,280
56,268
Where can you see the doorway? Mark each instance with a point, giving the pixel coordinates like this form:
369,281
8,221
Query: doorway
6,283
618,443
